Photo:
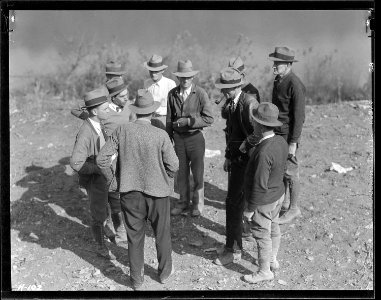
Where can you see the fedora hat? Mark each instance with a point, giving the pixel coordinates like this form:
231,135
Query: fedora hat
155,63
266,114
229,78
185,69
114,68
237,63
144,103
115,86
95,97
283,54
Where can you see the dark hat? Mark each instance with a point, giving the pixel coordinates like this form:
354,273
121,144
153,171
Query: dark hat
114,68
185,69
144,103
237,63
229,78
266,114
283,54
155,63
95,97
115,86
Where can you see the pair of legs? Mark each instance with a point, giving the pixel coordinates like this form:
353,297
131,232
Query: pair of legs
235,204
190,149
266,231
137,208
115,228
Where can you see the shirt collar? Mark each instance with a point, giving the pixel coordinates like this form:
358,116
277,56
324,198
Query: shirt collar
96,125
236,98
266,137
142,121
114,107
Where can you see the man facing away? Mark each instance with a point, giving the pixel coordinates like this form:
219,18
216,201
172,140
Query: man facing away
188,112
238,128
146,161
89,141
264,190
158,85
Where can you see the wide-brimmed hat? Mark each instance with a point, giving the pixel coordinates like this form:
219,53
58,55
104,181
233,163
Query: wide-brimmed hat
229,78
95,97
155,63
114,68
266,114
185,69
115,86
144,103
283,54
237,63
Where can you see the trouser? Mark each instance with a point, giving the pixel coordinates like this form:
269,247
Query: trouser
138,207
190,149
266,231
235,204
115,225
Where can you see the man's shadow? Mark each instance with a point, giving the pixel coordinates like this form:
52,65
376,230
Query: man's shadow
54,213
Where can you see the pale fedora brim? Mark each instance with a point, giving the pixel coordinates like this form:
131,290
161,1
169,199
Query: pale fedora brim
117,92
218,84
96,104
185,74
272,58
274,124
149,68
117,73
144,110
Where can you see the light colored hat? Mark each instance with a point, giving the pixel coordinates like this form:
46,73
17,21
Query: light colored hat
95,97
114,68
283,54
267,114
144,103
185,69
115,86
155,63
229,78
237,63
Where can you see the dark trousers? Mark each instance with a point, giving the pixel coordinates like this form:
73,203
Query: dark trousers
97,192
235,204
137,208
190,149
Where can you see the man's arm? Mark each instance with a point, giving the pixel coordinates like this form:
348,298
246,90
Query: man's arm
79,159
299,102
206,116
168,121
170,160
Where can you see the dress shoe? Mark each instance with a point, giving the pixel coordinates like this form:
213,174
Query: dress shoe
227,257
258,277
177,210
196,213
105,253
289,215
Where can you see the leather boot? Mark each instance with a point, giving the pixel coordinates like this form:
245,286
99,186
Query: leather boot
264,273
198,202
101,248
120,230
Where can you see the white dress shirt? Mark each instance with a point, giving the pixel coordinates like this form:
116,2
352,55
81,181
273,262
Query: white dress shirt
159,90
114,107
185,93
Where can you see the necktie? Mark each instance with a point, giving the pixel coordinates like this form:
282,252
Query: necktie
232,106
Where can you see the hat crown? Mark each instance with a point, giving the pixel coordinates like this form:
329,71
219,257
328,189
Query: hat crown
283,54
144,99
237,63
184,66
230,75
113,66
94,94
114,82
267,112
155,59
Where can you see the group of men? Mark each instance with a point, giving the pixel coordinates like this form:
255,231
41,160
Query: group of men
128,156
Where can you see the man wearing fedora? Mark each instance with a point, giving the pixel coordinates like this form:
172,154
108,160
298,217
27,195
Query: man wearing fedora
89,140
158,85
188,112
238,128
147,162
289,96
264,190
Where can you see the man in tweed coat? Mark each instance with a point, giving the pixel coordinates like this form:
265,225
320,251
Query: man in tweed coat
147,163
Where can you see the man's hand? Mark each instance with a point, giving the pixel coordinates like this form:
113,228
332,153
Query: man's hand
181,122
247,215
292,148
242,148
227,165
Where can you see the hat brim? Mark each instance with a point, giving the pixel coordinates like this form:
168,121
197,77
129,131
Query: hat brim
161,68
220,85
275,124
272,58
185,74
144,110
97,104
116,73
117,92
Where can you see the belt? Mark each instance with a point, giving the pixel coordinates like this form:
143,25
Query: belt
187,133
156,115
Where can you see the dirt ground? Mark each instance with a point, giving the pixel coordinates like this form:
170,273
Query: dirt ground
330,247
